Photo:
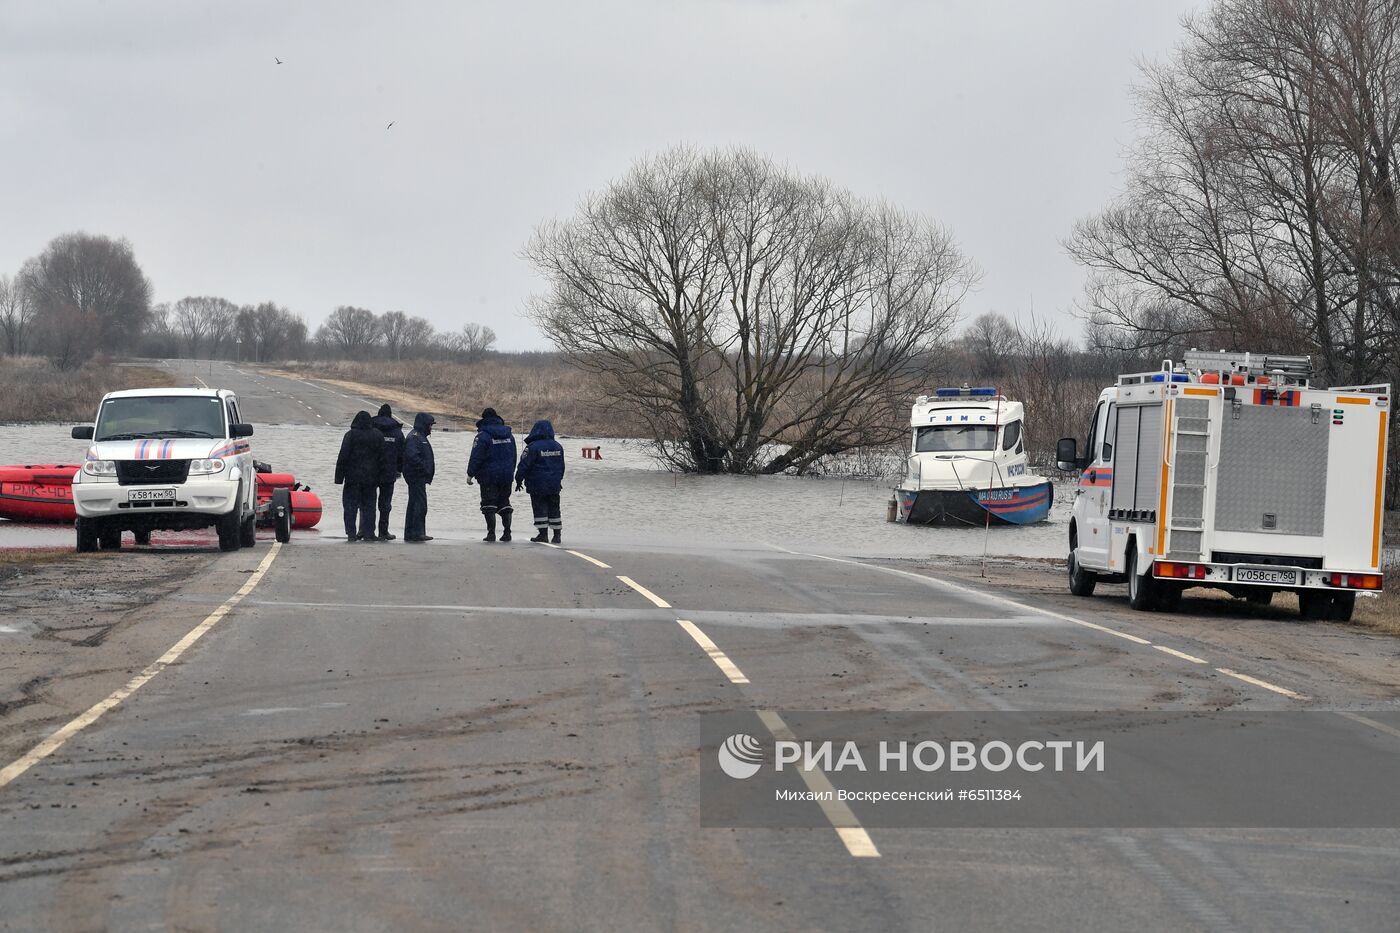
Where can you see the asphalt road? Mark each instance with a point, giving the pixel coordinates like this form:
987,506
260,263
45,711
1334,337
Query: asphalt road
272,399
464,736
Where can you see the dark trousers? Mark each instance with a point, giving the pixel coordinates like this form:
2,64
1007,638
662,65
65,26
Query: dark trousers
415,516
545,505
358,499
386,505
495,499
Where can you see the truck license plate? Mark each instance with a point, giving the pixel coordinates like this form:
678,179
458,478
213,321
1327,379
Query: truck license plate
154,496
1253,575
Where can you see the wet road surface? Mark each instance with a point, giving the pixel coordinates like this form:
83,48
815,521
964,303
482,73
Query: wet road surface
461,735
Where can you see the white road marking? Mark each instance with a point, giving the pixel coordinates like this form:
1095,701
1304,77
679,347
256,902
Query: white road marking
935,581
731,670
1368,721
857,841
592,560
657,600
57,740
1261,683
1180,654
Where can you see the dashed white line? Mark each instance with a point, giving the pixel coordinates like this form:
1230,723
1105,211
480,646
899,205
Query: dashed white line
1180,654
730,669
592,560
1261,683
657,600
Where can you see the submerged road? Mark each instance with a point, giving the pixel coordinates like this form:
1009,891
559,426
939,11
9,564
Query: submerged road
464,736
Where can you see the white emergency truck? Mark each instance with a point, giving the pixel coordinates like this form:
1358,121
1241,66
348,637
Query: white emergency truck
1230,471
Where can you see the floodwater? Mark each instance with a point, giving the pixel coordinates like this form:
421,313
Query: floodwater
624,497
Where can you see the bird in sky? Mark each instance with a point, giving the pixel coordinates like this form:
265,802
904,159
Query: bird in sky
276,59
391,123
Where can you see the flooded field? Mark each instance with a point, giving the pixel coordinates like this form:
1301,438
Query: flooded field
622,497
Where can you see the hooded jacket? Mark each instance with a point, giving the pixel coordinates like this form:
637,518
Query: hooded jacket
418,463
493,452
361,453
542,465
391,429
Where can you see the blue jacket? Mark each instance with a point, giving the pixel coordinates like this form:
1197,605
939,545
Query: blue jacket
392,430
418,451
542,465
493,452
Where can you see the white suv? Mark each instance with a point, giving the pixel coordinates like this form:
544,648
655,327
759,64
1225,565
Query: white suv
166,459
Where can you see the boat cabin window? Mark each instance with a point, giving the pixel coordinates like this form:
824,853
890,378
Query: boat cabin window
1011,437
955,438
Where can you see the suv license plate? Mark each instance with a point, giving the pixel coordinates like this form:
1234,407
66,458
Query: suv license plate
156,496
1252,575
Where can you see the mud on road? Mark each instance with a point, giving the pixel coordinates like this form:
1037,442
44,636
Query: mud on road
73,627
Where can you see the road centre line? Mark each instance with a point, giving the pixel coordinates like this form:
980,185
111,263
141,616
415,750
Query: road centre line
591,560
95,712
1261,683
848,829
730,669
857,841
656,600
1254,681
1368,721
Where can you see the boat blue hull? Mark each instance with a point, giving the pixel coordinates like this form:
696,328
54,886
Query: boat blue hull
1013,505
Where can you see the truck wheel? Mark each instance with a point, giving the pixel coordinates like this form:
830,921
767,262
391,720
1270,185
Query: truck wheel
1259,597
1081,581
1342,606
86,530
110,539
229,527
1144,590
1314,604
248,532
281,508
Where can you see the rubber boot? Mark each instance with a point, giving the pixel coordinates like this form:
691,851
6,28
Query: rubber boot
558,535
505,526
384,532
542,537
490,528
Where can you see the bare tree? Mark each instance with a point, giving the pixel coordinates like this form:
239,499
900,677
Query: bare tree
270,332
393,327
349,331
203,322
474,341
755,319
418,337
16,315
97,277
989,340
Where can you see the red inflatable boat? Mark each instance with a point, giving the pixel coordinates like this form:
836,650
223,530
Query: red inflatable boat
38,492
306,505
44,493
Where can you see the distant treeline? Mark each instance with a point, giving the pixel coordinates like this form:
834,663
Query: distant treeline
86,294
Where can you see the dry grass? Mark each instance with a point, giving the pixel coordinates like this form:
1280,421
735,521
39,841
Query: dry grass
522,388
1381,614
33,390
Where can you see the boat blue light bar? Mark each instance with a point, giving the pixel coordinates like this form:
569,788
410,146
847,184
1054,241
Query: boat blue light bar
965,391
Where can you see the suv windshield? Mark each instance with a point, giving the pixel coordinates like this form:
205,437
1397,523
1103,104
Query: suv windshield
160,416
955,438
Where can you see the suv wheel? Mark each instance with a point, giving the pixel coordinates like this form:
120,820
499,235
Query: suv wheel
248,532
143,538
229,527
110,538
86,530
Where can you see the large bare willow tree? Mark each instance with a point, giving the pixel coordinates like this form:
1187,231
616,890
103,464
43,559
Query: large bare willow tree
756,320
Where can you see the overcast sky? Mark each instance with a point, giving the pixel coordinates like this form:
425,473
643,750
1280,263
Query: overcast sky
170,124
